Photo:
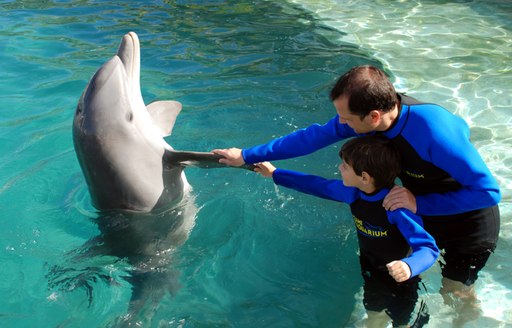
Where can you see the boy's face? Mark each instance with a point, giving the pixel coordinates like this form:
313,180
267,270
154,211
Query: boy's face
350,178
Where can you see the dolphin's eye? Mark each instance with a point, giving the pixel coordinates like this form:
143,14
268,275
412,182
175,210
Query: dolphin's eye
129,116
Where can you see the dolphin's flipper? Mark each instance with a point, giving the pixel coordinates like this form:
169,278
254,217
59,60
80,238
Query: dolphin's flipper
198,159
163,115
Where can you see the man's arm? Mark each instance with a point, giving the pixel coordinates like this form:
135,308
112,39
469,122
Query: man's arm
295,144
454,153
449,148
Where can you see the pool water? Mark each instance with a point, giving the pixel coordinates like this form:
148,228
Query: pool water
245,72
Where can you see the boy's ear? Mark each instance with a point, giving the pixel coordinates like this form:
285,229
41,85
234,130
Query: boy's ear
366,178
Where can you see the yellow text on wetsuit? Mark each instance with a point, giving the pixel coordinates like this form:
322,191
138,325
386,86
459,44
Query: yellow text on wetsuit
368,231
414,175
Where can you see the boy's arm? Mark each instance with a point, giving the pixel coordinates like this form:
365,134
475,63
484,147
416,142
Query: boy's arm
265,168
424,249
315,185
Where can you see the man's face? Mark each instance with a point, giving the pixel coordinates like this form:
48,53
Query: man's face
354,121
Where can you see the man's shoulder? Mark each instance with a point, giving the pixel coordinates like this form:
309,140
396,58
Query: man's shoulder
408,100
431,114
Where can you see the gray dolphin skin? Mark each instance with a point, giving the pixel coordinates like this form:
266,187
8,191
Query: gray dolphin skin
136,180
119,141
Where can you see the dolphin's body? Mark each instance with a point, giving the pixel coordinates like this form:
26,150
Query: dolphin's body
134,177
119,141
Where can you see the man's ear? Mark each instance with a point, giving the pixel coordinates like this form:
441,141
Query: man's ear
375,116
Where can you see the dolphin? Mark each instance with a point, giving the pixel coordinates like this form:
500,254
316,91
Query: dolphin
135,179
119,141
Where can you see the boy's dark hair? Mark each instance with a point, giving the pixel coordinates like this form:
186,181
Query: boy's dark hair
367,88
374,155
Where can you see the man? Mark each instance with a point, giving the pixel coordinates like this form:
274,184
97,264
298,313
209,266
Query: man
444,178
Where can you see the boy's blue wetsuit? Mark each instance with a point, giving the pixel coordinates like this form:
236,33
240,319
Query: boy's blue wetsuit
456,194
383,237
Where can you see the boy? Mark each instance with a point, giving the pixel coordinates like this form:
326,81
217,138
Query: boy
394,247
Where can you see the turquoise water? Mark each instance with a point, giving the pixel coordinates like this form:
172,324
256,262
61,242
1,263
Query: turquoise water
245,71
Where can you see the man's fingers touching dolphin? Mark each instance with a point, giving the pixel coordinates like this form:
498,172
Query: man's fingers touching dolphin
231,156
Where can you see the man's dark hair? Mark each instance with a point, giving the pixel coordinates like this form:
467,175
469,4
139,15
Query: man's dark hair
374,155
367,88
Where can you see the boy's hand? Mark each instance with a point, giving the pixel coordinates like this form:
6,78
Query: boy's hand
232,156
265,168
399,270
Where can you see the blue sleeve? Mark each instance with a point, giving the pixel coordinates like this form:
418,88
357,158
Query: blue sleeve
299,143
316,186
424,249
450,149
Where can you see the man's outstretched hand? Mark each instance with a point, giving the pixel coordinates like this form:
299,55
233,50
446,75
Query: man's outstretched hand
232,156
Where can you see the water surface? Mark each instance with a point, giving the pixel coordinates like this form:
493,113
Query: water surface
245,72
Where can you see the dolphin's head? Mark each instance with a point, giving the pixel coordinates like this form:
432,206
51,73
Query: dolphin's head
119,141
119,145
112,97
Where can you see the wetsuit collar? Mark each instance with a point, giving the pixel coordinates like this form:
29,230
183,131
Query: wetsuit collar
375,196
399,123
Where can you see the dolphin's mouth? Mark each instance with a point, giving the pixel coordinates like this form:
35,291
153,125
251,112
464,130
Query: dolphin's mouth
129,53
135,48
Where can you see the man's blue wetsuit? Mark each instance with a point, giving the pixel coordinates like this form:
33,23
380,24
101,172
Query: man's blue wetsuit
383,237
456,194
